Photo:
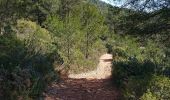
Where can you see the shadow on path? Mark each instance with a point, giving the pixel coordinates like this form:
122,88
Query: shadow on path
94,85
82,89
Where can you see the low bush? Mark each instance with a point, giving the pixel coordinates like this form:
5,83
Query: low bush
158,89
133,77
25,71
135,66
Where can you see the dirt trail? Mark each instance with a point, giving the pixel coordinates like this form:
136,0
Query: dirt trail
82,89
94,85
103,70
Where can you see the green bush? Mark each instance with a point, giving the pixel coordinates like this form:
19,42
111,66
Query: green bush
158,89
15,78
134,65
133,76
37,39
148,96
25,71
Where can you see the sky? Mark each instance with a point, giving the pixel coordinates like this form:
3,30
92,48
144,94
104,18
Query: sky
114,3
119,3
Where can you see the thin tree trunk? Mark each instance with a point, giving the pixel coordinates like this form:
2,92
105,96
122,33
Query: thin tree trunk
68,49
87,45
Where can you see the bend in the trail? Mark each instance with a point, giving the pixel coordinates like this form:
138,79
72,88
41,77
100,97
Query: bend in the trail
94,85
103,71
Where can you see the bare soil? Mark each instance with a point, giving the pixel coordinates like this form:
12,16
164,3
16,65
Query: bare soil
83,89
94,85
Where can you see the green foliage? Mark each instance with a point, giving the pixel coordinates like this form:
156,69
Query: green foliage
134,64
13,77
124,47
148,96
35,38
78,37
133,76
36,35
160,87
136,78
19,76
36,10
66,35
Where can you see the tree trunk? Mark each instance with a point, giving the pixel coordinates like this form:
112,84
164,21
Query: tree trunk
68,49
87,45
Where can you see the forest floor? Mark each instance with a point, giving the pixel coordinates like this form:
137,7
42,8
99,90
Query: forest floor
94,85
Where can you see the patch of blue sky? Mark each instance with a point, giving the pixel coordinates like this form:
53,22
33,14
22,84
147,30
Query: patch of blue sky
120,3
117,3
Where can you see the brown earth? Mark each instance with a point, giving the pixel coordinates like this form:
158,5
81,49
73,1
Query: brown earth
83,89
103,70
94,85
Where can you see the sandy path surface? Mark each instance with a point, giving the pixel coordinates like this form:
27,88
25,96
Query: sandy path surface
82,89
94,85
103,70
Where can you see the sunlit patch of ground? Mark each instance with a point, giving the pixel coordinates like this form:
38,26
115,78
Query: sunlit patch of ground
94,85
103,70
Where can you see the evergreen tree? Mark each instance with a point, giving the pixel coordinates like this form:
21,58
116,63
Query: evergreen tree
92,25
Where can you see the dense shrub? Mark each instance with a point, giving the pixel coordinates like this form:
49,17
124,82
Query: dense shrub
133,76
158,89
24,70
148,96
135,65
138,80
36,38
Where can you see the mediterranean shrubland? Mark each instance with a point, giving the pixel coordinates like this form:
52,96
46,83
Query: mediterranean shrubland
41,38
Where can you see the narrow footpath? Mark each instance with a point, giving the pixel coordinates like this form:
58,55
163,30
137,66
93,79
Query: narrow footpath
94,85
